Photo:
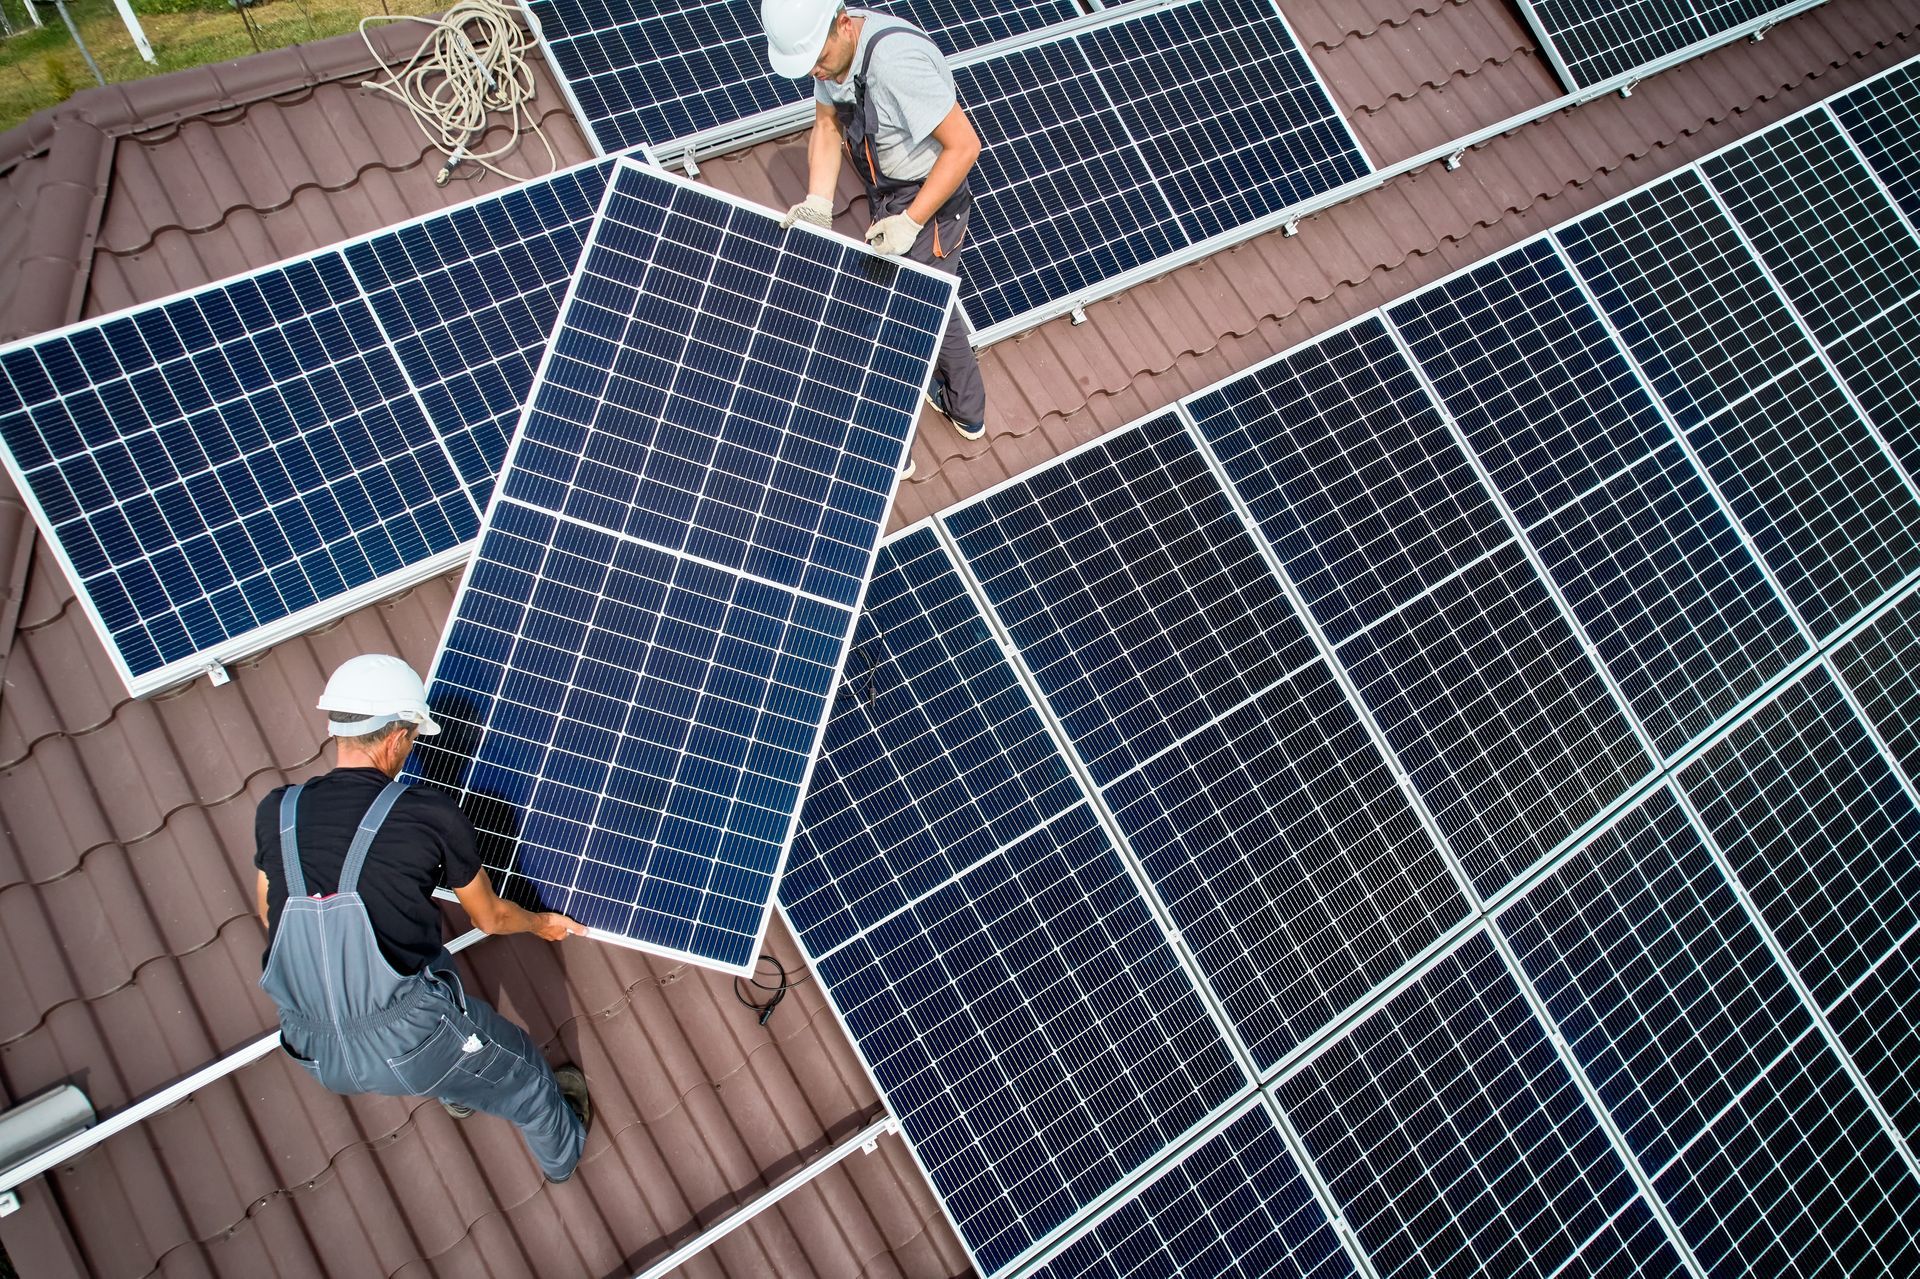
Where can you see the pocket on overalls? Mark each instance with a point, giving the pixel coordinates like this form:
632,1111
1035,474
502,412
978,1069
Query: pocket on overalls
307,1064
421,1070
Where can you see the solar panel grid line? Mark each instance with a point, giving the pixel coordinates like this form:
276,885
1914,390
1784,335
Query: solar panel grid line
1668,996
1881,117
1225,1170
1880,665
1590,44
1817,1009
1450,1072
1785,452
1853,252
1255,942
648,603
1083,776
1877,1021
1592,1095
1017,1017
197,380
1607,495
1903,209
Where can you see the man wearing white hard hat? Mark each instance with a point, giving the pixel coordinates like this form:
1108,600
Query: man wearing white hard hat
883,95
369,1000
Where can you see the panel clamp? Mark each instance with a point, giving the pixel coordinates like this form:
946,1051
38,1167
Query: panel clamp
1455,160
1291,226
690,165
1626,90
1079,314
218,674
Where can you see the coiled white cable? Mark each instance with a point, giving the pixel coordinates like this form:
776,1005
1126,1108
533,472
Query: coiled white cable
473,63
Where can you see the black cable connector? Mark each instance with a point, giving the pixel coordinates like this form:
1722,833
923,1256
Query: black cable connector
779,987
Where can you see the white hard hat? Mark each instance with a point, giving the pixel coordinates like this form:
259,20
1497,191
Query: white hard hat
384,689
796,33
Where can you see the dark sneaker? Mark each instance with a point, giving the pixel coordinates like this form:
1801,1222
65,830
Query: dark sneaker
457,1110
937,397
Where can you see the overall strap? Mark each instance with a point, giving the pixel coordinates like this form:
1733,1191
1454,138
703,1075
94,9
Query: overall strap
289,846
866,57
363,838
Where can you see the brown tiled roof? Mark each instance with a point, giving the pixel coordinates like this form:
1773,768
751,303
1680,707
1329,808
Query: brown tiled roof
125,845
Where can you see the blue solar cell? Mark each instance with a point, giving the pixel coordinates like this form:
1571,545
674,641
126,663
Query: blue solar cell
1491,704
1820,221
1656,573
1290,859
1596,40
1352,475
1225,109
1696,310
934,757
1819,497
1133,591
1034,1032
1655,976
1882,117
632,702
214,464
468,300
217,462
1881,665
1122,143
1235,1205
1817,826
1798,1179
659,72
1450,1133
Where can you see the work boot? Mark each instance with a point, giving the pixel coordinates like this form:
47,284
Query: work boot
937,397
573,1087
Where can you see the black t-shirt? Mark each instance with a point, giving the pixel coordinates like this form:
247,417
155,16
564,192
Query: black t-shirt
426,841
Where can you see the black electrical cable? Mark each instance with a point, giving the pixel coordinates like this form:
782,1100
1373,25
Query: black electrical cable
779,988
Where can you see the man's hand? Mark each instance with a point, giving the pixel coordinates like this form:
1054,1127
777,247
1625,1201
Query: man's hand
816,209
895,234
554,926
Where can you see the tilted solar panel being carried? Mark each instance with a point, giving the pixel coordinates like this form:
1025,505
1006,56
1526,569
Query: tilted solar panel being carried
224,468
1117,145
1592,41
640,660
642,72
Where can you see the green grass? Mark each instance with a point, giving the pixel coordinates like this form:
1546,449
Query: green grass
40,67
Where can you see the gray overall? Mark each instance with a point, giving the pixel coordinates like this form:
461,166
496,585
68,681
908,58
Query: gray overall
357,1026
938,245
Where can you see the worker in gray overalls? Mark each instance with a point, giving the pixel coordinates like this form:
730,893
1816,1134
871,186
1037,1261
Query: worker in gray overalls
883,95
368,997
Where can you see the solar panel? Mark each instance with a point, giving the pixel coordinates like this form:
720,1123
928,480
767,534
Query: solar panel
1881,667
1034,1032
1694,307
1820,831
656,73
1290,859
1452,1136
1661,985
1235,1205
228,466
1882,117
1820,222
1822,501
1880,363
1119,144
468,301
639,663
1592,41
934,756
1797,1179
1133,591
1656,573
1878,1023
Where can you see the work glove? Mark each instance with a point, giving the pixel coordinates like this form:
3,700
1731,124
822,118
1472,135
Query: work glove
895,234
816,209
